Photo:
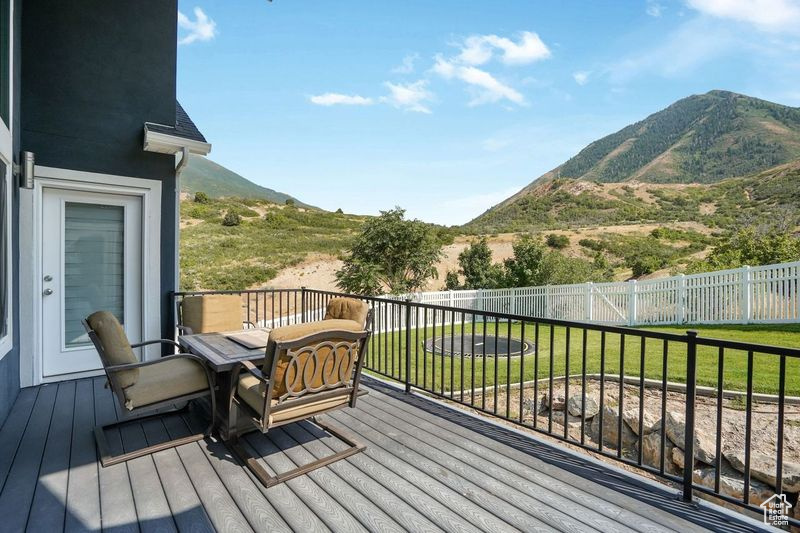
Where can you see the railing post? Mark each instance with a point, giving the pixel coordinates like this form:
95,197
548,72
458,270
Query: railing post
589,288
632,302
302,304
408,345
681,299
691,390
746,295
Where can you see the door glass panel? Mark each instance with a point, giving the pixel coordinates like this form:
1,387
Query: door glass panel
94,254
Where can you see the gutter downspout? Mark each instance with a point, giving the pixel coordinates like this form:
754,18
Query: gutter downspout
179,166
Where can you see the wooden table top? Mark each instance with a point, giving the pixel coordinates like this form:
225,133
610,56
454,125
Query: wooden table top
221,352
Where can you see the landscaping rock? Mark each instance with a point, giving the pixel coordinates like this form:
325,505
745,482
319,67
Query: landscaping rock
651,422
558,403
731,483
678,457
610,428
574,406
651,452
704,445
763,466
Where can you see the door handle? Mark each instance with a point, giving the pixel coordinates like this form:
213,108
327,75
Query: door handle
47,292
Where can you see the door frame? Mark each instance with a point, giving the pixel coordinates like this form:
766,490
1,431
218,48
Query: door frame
31,242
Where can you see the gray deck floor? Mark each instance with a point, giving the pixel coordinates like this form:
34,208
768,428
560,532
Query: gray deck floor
426,468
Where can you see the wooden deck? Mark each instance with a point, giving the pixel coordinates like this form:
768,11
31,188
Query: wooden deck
426,468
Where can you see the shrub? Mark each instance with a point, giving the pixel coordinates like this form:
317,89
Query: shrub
645,265
289,202
201,198
339,211
231,219
557,241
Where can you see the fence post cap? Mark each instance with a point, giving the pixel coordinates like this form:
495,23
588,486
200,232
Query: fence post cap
692,333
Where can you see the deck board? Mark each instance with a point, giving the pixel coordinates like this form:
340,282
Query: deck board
427,467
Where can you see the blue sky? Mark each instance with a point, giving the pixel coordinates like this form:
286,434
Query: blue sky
447,107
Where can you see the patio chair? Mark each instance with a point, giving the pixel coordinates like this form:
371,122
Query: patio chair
349,309
310,369
144,387
210,313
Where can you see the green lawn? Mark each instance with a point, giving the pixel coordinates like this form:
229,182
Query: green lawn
387,356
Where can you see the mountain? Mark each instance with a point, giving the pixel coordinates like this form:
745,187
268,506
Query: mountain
202,174
675,155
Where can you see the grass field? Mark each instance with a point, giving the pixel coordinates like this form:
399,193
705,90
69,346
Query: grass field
443,373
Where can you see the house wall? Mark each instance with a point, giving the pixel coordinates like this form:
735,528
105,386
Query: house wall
93,72
9,365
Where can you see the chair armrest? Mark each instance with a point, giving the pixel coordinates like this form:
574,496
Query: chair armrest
249,324
130,366
156,341
254,371
185,330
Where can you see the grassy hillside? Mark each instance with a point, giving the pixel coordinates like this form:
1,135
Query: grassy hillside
699,139
570,203
204,175
270,237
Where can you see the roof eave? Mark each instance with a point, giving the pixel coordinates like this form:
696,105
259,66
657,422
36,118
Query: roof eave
164,143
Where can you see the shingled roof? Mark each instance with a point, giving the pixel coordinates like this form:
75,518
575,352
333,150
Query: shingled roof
184,127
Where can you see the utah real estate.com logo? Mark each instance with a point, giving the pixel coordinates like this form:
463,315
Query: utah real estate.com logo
776,510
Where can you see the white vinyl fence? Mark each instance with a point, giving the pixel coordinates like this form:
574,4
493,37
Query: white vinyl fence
761,294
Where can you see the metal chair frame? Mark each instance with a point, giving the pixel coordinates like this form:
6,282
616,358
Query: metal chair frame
140,414
293,398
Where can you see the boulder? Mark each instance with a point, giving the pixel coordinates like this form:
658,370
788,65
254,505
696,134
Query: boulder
763,467
704,445
610,429
678,457
731,483
558,402
651,452
574,406
650,421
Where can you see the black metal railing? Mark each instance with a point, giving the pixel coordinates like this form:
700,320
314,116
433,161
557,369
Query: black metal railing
645,398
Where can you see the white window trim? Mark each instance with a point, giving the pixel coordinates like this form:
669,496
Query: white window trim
6,153
30,282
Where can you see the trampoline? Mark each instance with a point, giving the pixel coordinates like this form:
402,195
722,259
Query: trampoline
442,345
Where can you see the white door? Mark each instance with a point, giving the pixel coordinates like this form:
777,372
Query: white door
91,261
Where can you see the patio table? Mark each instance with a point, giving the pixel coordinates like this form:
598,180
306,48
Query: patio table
222,354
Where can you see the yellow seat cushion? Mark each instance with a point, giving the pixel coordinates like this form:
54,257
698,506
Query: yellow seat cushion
116,347
212,313
298,331
169,378
347,309
252,391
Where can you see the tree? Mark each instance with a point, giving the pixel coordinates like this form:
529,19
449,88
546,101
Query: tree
753,247
477,268
289,202
525,269
201,198
391,253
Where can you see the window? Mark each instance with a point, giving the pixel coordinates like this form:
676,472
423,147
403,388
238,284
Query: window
5,61
6,189
4,253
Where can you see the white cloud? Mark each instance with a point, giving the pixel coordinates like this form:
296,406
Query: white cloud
495,144
407,67
409,96
479,49
654,9
490,89
768,15
329,99
201,28
692,45
581,77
